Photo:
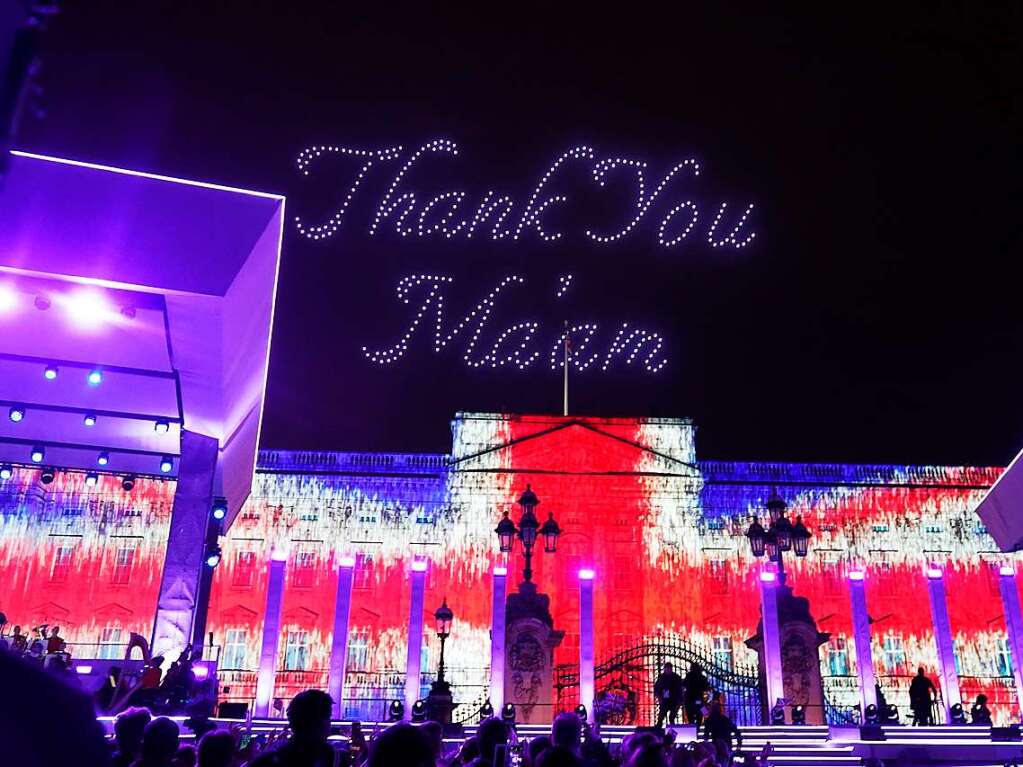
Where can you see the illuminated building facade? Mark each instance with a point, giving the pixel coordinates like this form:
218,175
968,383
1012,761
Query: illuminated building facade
663,532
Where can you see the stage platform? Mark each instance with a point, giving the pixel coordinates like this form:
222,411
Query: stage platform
806,746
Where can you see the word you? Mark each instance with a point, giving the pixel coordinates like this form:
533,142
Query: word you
521,344
452,213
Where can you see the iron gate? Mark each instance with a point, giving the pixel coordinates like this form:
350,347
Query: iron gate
624,684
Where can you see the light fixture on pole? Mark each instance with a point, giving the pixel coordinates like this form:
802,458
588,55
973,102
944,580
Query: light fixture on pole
527,530
780,537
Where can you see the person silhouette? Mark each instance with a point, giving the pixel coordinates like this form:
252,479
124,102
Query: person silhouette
668,689
922,695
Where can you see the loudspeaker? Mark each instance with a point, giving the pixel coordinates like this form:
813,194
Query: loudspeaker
232,710
871,732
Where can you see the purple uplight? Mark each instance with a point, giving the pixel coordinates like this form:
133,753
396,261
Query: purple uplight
201,672
586,575
86,309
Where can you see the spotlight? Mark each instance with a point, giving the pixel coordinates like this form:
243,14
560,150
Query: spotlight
16,413
508,713
8,298
891,714
870,714
90,419
580,711
161,427
50,372
128,483
957,714
91,479
103,458
214,556
166,464
6,471
396,711
95,377
419,711
219,508
47,475
38,454
778,714
798,715
86,309
486,710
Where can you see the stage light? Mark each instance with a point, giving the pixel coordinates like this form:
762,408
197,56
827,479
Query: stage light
279,554
219,508
1007,571
8,298
87,309
166,464
767,576
213,556
6,471
891,714
419,711
580,711
50,373
47,475
934,573
89,419
83,669
396,711
857,575
486,710
16,413
103,458
128,483
346,561
161,427
798,715
870,715
201,672
91,479
38,454
419,565
95,377
508,713
956,713
500,570
586,575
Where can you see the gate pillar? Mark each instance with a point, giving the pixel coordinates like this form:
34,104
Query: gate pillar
529,661
800,659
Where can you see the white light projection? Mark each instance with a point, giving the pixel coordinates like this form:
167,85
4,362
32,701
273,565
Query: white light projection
422,214
516,345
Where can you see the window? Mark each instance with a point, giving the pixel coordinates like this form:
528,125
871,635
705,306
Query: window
718,577
838,657
358,650
363,571
296,651
303,574
235,649
893,657
723,652
110,647
574,563
122,565
244,569
622,573
1003,658
61,563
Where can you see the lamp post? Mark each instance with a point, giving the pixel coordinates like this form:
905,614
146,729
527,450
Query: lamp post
438,702
780,537
528,528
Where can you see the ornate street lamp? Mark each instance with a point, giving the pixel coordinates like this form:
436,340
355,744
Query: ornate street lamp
443,616
527,530
780,537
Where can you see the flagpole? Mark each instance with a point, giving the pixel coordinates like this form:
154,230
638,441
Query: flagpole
564,408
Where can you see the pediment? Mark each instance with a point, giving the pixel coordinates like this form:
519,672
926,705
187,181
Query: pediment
574,447
238,615
300,616
113,610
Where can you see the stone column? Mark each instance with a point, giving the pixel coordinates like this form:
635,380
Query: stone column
531,639
497,637
339,643
266,675
861,636
771,638
950,694
181,595
586,671
1013,625
414,660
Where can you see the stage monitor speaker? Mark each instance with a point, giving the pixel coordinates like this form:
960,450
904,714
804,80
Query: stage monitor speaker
871,732
233,710
1006,734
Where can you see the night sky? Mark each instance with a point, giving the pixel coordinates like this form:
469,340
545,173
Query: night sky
875,318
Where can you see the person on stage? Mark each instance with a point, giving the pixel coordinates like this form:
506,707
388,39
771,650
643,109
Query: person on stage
669,693
922,695
696,687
